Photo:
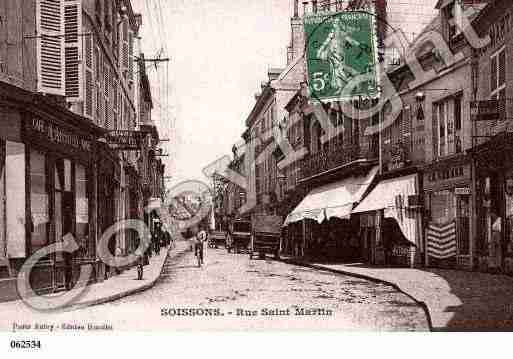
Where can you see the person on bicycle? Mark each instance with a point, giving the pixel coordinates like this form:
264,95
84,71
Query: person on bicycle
201,238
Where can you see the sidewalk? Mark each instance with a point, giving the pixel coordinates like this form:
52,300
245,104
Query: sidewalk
456,300
124,284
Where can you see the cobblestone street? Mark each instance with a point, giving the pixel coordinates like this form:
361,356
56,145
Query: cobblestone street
229,283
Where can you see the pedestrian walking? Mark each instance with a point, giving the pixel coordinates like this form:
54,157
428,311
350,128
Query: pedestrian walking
140,264
201,238
118,259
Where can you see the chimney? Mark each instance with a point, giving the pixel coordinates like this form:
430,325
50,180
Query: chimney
296,9
138,20
274,73
325,5
297,41
305,5
314,6
290,54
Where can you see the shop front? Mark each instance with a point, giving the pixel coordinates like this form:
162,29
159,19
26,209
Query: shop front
133,206
47,177
322,225
109,191
59,186
494,204
447,199
390,222
47,188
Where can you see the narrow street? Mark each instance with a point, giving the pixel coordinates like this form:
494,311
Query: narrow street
229,283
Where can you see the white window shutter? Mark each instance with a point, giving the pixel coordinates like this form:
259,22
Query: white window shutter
50,48
125,47
73,49
130,55
89,79
106,76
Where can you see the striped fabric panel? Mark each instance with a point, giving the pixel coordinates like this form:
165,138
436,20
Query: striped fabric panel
441,240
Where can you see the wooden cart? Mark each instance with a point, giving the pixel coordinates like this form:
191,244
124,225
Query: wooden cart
265,236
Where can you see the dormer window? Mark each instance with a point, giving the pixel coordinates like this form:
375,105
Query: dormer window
452,15
98,10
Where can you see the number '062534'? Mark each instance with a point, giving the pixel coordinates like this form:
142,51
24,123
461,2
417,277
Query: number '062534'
25,344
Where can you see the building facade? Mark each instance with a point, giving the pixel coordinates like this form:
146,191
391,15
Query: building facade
70,83
492,244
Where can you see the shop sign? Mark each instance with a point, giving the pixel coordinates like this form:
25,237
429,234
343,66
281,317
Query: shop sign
398,157
485,110
400,251
462,191
125,139
58,135
447,176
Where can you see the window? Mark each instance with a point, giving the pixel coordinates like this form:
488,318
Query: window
63,204
98,10
453,14
82,211
394,57
39,204
108,16
443,207
447,127
457,125
131,55
498,74
58,58
15,199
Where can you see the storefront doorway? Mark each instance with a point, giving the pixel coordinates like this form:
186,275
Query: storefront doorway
494,204
64,213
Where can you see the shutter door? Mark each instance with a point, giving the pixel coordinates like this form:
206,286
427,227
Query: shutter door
73,49
50,50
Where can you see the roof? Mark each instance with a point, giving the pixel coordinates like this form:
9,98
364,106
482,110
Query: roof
473,12
260,103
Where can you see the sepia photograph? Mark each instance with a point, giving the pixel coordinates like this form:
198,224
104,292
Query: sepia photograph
341,166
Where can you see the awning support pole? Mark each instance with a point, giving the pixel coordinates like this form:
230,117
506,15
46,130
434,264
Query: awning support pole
304,238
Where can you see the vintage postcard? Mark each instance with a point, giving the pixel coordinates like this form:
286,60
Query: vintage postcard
222,165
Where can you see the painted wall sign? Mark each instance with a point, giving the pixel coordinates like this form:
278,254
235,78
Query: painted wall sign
57,135
462,191
487,110
450,175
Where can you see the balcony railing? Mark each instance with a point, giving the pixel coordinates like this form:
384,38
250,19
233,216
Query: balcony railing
334,157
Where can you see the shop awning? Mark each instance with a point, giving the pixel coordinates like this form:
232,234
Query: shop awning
385,195
332,200
154,203
391,195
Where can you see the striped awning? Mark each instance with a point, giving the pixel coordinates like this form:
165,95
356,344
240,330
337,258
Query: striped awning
332,200
392,195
